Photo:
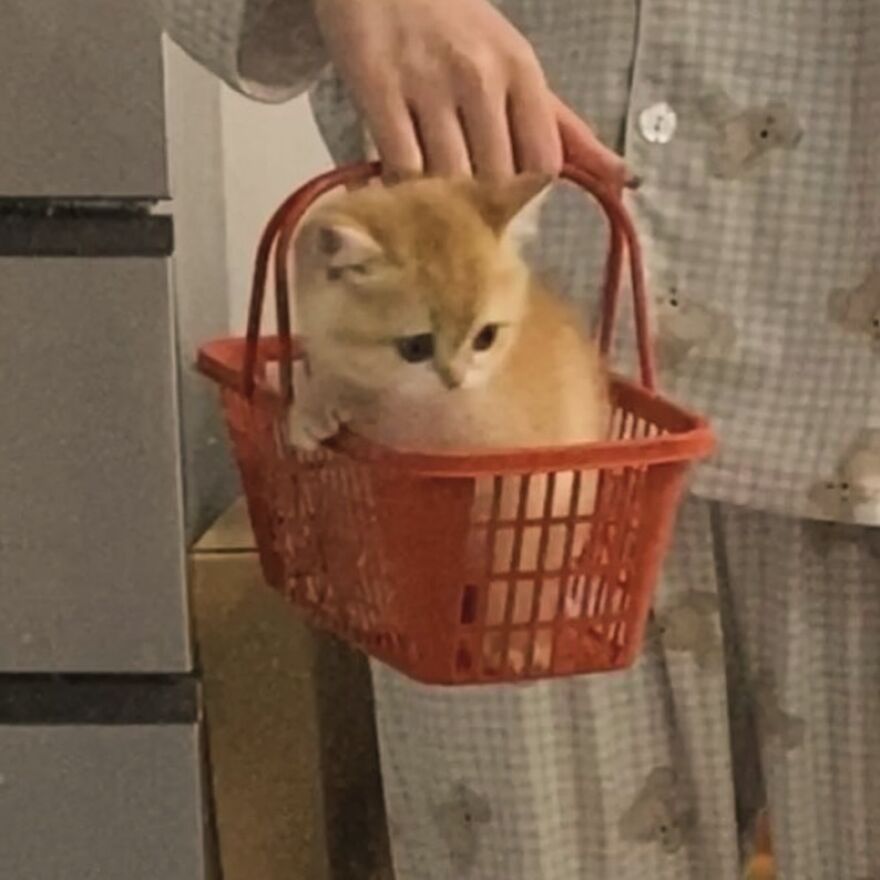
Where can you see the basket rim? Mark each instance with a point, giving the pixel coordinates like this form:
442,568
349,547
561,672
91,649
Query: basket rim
222,360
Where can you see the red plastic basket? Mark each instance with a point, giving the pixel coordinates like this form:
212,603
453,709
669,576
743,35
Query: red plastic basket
389,551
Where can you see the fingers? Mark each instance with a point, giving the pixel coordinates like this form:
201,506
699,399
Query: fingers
534,129
444,146
391,126
581,146
483,123
479,120
453,88
492,134
488,137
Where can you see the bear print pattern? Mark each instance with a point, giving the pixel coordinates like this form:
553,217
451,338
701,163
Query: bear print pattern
459,819
690,625
687,328
857,309
852,495
660,814
742,136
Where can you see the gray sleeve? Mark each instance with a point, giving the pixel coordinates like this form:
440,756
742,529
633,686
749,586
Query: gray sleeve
270,50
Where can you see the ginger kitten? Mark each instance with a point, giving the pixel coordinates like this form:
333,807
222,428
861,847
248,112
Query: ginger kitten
426,330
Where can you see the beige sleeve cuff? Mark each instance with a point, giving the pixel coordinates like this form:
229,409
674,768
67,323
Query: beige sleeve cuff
270,50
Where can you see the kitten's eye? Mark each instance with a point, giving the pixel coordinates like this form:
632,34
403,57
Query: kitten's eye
485,339
415,349
337,273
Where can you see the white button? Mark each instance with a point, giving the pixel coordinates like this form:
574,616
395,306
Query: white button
658,123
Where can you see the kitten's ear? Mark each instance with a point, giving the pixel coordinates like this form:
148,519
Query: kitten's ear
513,208
341,244
530,195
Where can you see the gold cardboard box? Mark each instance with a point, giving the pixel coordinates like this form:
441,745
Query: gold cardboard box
290,731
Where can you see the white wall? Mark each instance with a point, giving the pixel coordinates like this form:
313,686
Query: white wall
195,157
268,150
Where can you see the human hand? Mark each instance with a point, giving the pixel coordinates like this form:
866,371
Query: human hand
581,147
451,87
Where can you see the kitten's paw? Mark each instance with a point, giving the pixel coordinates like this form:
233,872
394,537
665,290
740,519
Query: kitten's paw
309,428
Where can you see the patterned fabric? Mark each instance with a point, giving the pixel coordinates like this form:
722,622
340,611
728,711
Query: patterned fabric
649,773
268,49
755,126
761,217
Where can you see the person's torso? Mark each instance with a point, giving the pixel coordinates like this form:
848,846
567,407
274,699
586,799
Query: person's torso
755,128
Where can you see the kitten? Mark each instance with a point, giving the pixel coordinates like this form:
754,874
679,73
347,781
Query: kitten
425,330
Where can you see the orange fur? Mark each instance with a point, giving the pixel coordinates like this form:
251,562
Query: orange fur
441,259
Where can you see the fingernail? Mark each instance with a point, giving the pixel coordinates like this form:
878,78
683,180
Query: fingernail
634,181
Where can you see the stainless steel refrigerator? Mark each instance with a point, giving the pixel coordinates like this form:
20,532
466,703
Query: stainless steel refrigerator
100,764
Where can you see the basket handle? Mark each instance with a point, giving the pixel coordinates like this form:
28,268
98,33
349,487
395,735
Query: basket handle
275,245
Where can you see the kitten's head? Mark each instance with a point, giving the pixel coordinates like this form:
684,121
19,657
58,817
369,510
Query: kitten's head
416,287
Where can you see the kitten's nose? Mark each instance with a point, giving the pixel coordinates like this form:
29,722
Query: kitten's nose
449,376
